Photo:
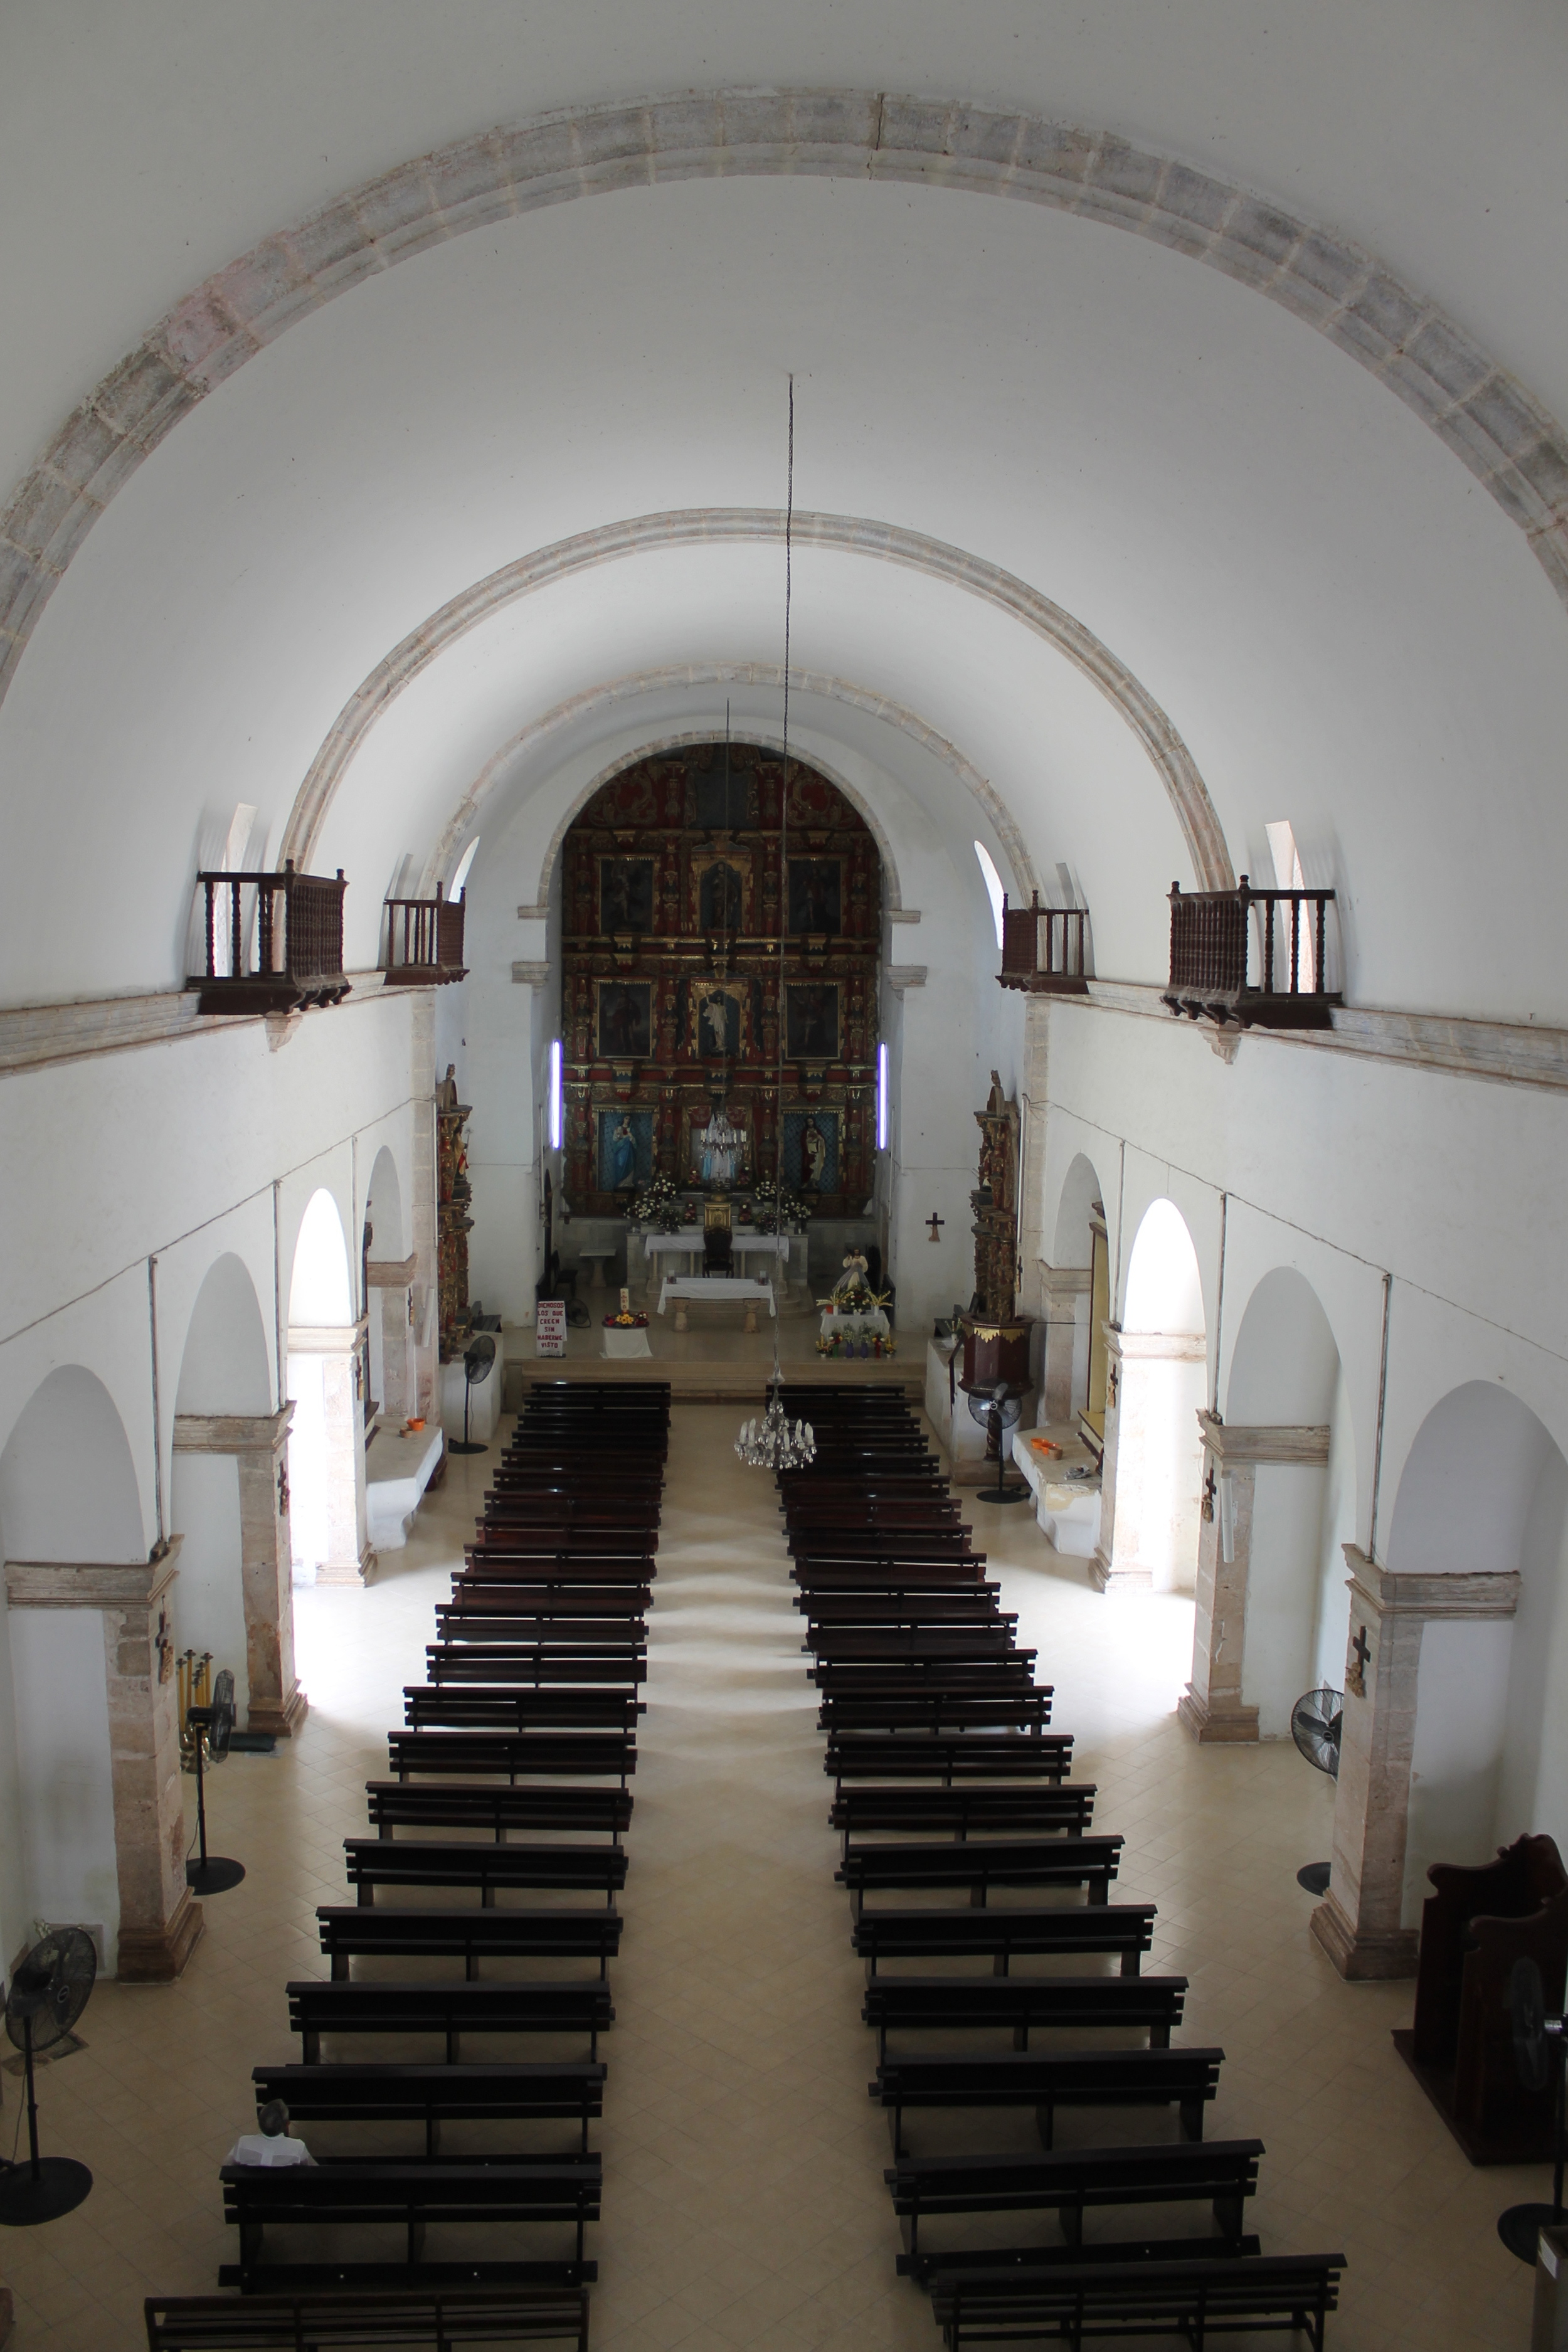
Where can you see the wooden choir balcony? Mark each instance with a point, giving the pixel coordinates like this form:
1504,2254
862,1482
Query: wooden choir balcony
274,941
1042,948
425,941
1213,937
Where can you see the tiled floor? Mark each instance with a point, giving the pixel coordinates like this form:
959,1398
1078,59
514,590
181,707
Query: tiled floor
744,2204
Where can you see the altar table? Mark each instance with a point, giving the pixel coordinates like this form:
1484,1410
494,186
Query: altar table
713,1288
687,1243
870,1323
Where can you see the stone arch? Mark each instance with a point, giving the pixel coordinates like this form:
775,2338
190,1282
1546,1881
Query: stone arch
1152,1469
326,1437
225,1429
1513,444
319,1285
884,543
1080,1189
384,1206
1287,1453
68,1489
223,1367
388,1279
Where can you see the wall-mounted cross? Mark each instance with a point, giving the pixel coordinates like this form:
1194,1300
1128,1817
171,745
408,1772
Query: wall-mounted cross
1361,1651
934,1226
1209,1494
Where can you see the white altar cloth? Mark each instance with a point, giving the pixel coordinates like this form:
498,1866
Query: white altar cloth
687,1243
714,1288
872,1324
626,1341
397,1473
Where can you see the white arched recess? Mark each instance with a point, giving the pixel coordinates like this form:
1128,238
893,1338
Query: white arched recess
326,1436
333,494
1156,1373
225,1373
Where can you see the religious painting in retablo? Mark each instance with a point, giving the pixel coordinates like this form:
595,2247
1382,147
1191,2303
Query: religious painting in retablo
625,1151
811,1020
811,1150
721,894
816,895
719,1025
623,1019
626,893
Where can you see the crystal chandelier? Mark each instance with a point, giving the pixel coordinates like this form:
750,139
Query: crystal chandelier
778,1443
781,1443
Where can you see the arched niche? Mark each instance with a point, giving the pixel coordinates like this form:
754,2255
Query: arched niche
68,1484
386,1286
1484,1491
1290,1460
383,1207
225,1376
319,1290
1152,1469
326,1437
1075,1290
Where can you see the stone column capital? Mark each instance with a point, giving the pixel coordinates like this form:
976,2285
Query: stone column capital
1477,1592
1153,1347
1236,1444
1061,1285
92,1584
233,1433
327,1338
392,1272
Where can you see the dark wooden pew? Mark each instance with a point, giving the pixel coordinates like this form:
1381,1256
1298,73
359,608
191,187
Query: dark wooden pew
601,1665
1194,2302
452,1805
405,1862
825,1570
907,1612
1022,2005
447,2010
362,1930
475,1619
1069,2183
433,2095
967,1756
487,1565
946,1677
463,1707
1185,2079
937,1710
256,2198
519,1755
962,1812
409,2320
980,1863
1001,1935
833,1646
544,1604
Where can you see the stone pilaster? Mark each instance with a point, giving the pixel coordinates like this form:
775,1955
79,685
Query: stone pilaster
424,1334
1213,1706
159,1924
1360,1923
350,1559
1061,1287
392,1281
1132,1532
276,1703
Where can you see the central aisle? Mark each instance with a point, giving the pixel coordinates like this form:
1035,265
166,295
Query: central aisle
743,2161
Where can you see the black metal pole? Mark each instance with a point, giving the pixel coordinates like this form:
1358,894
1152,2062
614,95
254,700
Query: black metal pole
33,2104
201,1801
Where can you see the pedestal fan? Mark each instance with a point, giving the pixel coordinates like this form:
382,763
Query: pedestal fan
1538,2053
996,1407
479,1356
210,1727
1315,1721
49,1993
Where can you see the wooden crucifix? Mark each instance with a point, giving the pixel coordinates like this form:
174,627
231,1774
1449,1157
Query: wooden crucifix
1361,1651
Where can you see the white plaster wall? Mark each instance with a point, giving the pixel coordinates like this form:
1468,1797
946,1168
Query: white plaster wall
1282,1591
66,1807
209,1601
1461,1724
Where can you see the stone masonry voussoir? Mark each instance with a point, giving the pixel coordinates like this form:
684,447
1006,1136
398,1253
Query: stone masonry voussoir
1506,440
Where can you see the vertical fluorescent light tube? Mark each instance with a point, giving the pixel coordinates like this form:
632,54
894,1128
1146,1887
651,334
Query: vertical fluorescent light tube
556,1094
881,1098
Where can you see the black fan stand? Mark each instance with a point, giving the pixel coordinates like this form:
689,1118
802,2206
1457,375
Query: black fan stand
45,2186
1002,1492
211,1874
467,1445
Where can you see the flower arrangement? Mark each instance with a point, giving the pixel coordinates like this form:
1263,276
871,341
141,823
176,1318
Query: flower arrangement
872,1348
775,1204
658,1207
628,1321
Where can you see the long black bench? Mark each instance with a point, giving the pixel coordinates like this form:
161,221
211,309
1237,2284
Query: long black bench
1071,2182
1022,2005
573,2092
962,1812
476,1621
412,2321
484,1805
1008,1671
1194,2301
1185,2079
491,1596
593,1666
464,1706
447,2010
967,1756
351,1931
866,1646
487,1566
937,1710
980,1863
256,2198
408,1861
906,1611
1003,1934
520,1755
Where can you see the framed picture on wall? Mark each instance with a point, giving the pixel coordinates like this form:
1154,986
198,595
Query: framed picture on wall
626,893
721,894
815,894
811,1020
718,1019
623,1019
811,1150
625,1151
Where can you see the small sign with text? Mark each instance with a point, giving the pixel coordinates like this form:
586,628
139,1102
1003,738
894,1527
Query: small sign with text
550,1327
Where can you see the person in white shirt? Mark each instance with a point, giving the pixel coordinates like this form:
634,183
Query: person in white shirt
271,2144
